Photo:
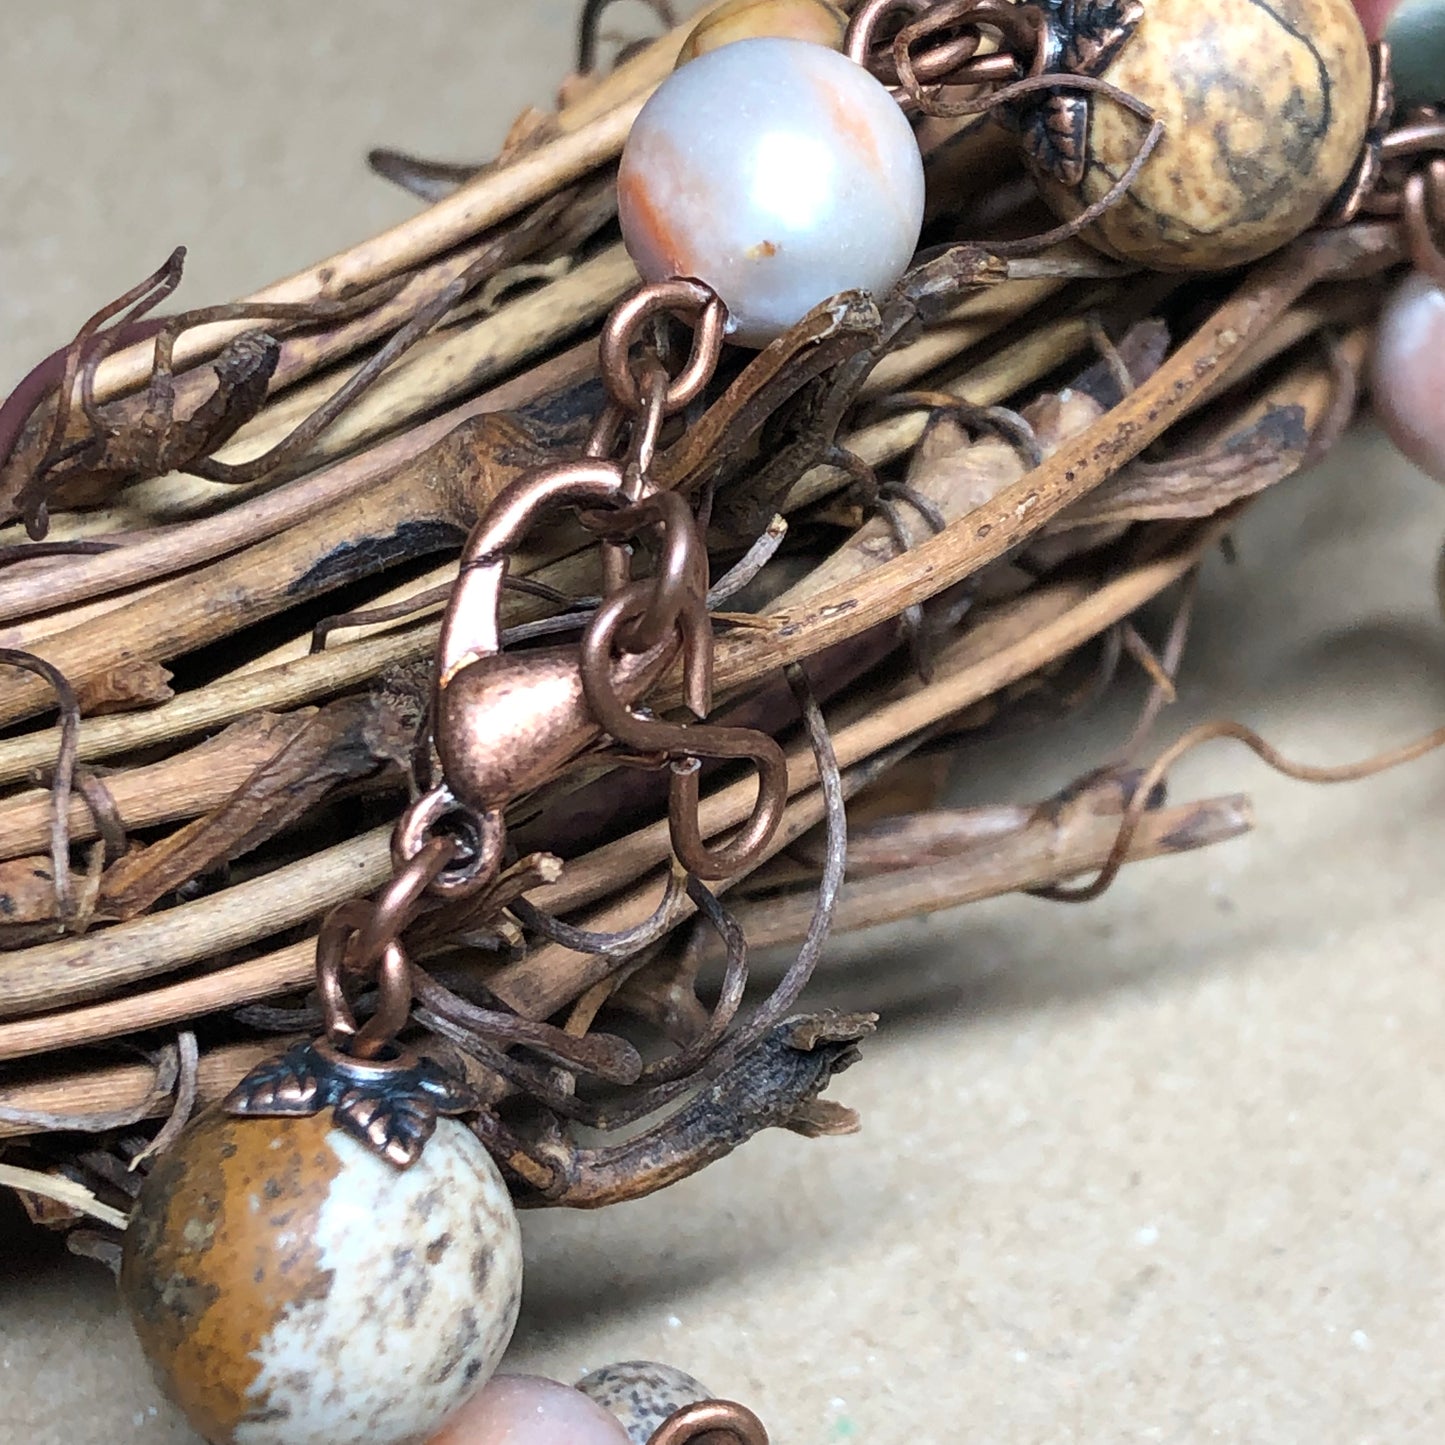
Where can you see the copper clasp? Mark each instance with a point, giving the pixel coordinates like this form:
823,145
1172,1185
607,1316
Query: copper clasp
507,722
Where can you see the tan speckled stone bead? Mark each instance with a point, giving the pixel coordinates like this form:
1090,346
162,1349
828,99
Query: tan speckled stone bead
642,1394
1265,104
290,1287
813,20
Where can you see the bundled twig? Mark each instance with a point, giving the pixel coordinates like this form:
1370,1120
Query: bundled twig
927,513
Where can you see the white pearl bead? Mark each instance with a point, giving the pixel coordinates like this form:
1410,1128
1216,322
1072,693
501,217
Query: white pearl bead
777,172
1408,396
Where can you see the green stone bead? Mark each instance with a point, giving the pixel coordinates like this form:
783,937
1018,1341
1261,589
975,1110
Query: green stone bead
1416,33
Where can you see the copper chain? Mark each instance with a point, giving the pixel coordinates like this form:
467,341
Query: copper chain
363,939
504,723
638,615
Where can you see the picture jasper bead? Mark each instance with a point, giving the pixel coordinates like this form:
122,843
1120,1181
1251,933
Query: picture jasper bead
813,20
291,1287
642,1394
1265,106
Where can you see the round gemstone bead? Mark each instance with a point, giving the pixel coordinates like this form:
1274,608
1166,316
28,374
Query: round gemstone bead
778,173
1416,32
1265,108
1374,16
814,20
642,1394
1408,397
290,1287
530,1410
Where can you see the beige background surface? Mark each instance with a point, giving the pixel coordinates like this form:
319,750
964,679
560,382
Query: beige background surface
1162,1169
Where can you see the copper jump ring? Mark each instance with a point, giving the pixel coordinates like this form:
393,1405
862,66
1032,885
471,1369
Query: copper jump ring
1422,215
416,831
1022,33
395,907
687,298
393,980
1411,187
646,424
1415,137
338,928
681,577
361,939
734,1423
616,555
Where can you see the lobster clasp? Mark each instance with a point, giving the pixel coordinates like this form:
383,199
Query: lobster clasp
471,627
506,723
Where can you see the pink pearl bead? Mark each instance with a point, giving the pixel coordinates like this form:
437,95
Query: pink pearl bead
1408,394
528,1410
1375,16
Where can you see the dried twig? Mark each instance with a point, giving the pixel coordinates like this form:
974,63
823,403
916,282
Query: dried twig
775,1085
56,974
1208,732
179,787
187,1085
68,1100
62,1191
1183,382
1047,849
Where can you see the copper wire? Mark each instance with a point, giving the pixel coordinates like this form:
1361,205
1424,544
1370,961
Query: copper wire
955,59
1411,187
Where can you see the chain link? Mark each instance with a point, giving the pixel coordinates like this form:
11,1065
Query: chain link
361,940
